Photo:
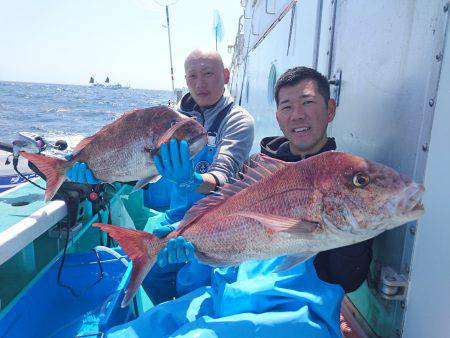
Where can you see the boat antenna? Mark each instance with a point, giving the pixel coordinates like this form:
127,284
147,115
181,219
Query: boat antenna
167,4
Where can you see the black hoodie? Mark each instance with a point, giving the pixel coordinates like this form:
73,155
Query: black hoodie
347,266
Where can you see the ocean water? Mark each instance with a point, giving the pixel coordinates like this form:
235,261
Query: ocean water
67,112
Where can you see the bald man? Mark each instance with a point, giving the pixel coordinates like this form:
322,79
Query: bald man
230,137
231,131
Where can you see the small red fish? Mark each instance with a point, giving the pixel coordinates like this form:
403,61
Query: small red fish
327,201
123,150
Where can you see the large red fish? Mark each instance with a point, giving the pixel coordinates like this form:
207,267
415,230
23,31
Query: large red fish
327,201
123,150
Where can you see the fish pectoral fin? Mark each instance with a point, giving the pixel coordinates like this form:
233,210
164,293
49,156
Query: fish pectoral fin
142,183
285,224
293,260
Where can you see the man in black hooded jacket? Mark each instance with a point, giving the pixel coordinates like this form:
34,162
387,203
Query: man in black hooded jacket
304,110
253,299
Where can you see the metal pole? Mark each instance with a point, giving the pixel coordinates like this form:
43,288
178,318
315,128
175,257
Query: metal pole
170,48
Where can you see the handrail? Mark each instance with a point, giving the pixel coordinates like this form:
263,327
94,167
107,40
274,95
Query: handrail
274,23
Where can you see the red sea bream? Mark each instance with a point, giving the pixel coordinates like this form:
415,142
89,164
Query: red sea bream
298,209
123,150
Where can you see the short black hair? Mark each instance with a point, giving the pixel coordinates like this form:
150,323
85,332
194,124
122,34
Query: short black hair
294,76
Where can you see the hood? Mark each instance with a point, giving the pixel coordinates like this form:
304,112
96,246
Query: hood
278,147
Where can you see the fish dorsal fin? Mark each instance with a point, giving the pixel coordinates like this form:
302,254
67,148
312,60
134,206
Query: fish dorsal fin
253,173
83,143
269,161
105,129
255,170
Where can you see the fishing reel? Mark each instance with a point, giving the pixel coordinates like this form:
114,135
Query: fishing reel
30,143
33,143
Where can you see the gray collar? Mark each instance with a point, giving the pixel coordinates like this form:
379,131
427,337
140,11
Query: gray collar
204,116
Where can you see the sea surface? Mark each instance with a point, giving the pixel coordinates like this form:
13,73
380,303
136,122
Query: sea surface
67,112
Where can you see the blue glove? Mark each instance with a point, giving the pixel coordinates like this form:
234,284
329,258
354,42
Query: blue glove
176,166
163,230
167,225
178,250
80,173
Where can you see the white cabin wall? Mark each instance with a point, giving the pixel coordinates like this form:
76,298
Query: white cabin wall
427,313
387,51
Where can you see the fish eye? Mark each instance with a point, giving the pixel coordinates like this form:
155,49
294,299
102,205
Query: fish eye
173,122
360,180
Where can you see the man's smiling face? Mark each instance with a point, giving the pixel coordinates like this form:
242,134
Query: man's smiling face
303,116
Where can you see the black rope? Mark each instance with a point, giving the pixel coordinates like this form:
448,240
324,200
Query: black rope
98,189
63,258
15,163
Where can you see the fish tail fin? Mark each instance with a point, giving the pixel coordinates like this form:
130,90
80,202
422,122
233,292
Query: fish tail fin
142,247
53,168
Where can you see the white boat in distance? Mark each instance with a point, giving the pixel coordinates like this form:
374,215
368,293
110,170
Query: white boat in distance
107,84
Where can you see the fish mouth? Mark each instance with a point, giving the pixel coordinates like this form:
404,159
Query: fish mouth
414,202
197,142
418,207
410,208
192,141
416,211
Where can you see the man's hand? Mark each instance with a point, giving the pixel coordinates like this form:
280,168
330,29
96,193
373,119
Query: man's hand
176,166
163,230
80,173
178,250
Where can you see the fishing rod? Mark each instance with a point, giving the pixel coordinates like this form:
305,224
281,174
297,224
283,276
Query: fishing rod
166,5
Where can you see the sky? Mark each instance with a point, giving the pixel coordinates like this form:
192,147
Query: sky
68,41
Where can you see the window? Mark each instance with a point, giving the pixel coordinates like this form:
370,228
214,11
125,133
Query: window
271,81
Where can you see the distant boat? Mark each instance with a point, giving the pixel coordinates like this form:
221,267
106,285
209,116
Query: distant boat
92,83
107,84
115,85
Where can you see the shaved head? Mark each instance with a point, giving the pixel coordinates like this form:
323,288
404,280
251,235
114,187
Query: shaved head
206,54
205,76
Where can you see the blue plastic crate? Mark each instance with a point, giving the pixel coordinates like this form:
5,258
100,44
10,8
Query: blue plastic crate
48,310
